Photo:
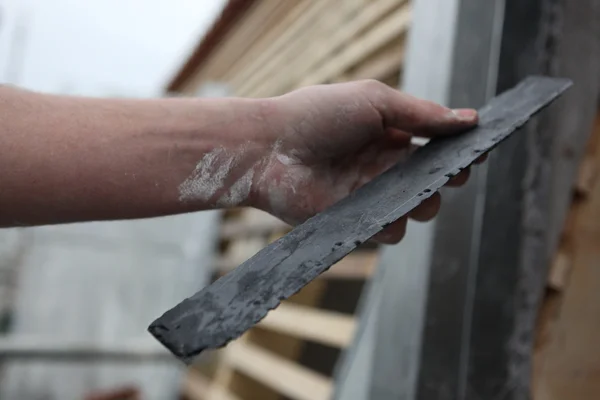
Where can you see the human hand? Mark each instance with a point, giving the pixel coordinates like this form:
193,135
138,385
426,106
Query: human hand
293,156
329,140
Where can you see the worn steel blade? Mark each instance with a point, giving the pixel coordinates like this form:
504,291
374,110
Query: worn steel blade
231,305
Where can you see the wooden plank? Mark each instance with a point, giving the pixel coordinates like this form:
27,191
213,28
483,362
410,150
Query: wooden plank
223,379
568,366
225,375
360,265
303,22
387,62
240,229
393,26
198,387
287,377
244,248
281,61
259,27
559,271
285,346
588,169
322,49
259,48
326,327
241,38
587,177
241,35
288,66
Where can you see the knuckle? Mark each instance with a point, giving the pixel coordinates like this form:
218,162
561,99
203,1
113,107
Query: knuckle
370,84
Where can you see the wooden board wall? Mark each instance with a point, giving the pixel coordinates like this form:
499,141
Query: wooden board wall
279,46
567,354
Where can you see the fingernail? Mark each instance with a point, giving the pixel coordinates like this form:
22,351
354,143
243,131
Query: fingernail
465,114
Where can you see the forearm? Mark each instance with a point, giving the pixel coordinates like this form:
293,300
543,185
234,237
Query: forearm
76,159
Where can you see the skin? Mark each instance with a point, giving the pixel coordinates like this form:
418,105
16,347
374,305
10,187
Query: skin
68,159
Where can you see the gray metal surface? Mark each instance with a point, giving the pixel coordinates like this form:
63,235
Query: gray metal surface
234,303
453,260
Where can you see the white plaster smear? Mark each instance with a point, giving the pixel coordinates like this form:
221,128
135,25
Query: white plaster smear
238,192
211,174
208,177
213,170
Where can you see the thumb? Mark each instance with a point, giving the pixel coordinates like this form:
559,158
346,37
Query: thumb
420,117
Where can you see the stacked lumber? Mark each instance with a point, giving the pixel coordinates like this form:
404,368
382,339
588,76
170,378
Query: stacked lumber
264,362
277,46
566,357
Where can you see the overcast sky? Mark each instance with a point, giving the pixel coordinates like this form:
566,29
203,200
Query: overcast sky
101,47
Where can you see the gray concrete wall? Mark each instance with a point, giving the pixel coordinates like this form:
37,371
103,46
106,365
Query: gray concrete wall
104,283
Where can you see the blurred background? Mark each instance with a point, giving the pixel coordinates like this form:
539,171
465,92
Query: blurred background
498,298
100,48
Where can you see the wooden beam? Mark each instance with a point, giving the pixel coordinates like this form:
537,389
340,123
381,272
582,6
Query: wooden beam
241,229
559,271
262,46
225,376
393,26
302,23
244,32
320,51
325,327
286,70
287,377
285,346
383,65
359,265
283,60
588,173
198,387
567,361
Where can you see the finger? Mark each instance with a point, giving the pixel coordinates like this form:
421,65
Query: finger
377,161
393,233
427,209
481,159
459,179
397,138
420,117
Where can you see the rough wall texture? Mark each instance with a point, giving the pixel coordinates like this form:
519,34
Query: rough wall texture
529,188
